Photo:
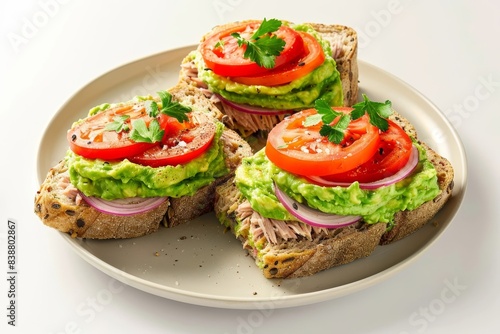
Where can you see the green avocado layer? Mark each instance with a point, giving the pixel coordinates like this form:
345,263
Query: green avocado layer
256,175
323,82
122,179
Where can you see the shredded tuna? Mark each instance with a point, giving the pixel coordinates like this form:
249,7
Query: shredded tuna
190,72
252,122
244,210
273,230
69,190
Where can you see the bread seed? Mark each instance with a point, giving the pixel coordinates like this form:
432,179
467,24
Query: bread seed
80,222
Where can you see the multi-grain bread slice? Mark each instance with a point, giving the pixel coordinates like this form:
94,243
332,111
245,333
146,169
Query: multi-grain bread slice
344,45
290,249
59,205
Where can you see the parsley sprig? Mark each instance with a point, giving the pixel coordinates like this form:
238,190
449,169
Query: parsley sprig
148,134
153,133
326,114
377,112
263,46
119,124
168,107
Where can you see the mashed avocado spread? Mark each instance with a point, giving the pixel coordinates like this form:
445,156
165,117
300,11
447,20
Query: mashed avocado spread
323,82
255,177
121,179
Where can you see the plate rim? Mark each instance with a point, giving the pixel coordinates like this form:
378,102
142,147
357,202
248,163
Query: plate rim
294,300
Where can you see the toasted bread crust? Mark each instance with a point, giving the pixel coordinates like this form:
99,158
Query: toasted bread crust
193,97
352,243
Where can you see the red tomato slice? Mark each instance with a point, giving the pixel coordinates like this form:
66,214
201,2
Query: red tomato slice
172,128
296,69
92,140
392,154
302,150
183,142
228,60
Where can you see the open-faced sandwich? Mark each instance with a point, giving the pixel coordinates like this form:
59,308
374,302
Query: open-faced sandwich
267,129
262,70
330,185
133,165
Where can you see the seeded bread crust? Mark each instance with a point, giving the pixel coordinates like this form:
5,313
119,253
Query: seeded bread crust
60,208
302,257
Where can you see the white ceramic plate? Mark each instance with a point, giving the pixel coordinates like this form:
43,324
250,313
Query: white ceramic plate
198,263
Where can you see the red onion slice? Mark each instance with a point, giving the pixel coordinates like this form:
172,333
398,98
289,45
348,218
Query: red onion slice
311,216
249,109
400,175
124,206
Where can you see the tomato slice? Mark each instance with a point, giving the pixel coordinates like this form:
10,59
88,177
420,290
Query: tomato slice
173,128
313,57
182,142
224,56
92,140
302,150
391,155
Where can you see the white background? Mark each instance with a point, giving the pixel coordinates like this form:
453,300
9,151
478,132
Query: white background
448,50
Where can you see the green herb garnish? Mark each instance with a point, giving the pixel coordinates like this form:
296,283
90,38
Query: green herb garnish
263,46
142,133
173,109
152,134
219,44
378,112
168,107
326,114
151,108
119,124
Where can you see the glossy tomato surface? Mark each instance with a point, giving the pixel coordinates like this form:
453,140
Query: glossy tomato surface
391,155
225,57
311,59
91,138
182,142
301,149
